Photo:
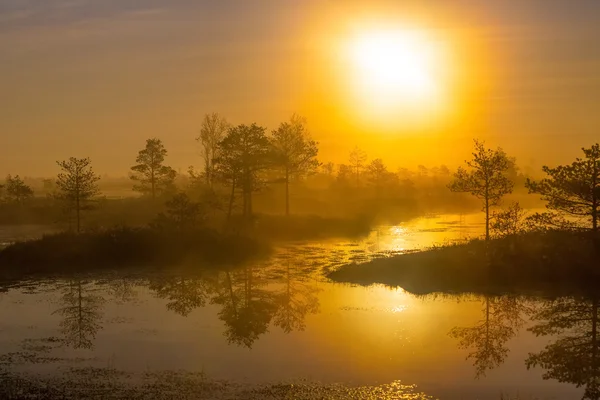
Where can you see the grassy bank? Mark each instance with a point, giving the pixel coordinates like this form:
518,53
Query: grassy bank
126,247
552,262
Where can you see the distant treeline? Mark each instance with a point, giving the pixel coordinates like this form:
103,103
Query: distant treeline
244,170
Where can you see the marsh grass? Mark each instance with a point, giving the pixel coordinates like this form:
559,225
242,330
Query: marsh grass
558,262
127,247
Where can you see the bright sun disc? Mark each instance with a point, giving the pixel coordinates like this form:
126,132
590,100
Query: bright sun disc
394,68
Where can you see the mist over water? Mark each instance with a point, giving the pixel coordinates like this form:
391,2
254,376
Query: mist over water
248,325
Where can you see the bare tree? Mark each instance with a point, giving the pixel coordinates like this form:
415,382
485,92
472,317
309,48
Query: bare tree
152,175
357,161
573,189
294,151
213,129
77,185
485,178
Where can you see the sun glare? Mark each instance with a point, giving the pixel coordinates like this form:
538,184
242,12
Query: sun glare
395,70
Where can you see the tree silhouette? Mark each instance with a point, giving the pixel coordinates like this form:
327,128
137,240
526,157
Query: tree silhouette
294,152
77,185
213,129
243,153
152,176
574,357
485,179
296,300
16,191
183,294
247,309
357,161
81,314
123,289
378,176
573,189
182,213
502,317
328,168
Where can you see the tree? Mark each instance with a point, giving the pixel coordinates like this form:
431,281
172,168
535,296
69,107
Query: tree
77,185
485,179
573,189
377,173
182,213
294,152
16,191
213,129
328,168
243,153
152,175
509,222
357,160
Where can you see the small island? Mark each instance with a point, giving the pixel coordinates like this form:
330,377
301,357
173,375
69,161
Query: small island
555,253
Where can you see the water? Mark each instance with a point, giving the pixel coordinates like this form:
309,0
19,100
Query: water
283,321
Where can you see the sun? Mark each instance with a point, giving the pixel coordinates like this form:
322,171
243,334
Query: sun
394,69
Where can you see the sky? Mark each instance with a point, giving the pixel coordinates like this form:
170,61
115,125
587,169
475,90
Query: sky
96,78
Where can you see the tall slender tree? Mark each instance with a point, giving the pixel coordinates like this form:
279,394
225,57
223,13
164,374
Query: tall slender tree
573,189
77,185
152,175
357,159
294,151
485,178
213,130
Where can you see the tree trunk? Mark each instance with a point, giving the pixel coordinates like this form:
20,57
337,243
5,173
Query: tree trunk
207,169
153,185
231,198
287,191
78,211
487,219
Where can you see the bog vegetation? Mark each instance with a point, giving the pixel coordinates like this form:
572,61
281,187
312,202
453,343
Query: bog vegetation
273,186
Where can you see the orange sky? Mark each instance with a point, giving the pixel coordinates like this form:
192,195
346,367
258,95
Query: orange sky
97,77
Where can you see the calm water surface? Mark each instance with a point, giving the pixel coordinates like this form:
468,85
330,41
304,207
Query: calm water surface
283,321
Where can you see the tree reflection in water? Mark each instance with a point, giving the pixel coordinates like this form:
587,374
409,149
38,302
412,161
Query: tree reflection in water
247,308
501,320
297,299
81,314
251,298
574,356
182,293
